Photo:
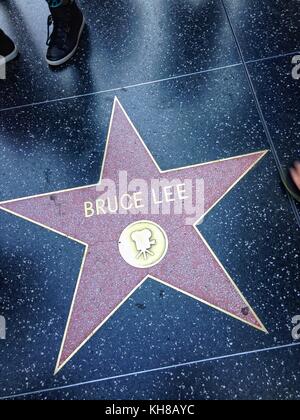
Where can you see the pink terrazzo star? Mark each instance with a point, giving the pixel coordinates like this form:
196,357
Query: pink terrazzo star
106,280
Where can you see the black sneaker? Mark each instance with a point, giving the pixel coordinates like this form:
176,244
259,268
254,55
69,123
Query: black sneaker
8,50
68,23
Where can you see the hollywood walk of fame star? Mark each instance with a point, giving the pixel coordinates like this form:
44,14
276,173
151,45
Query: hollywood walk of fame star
123,250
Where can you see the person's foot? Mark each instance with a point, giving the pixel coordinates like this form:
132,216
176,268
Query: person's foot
68,23
8,50
295,174
291,180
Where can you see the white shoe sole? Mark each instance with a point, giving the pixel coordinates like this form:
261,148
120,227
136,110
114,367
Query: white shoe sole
69,56
11,56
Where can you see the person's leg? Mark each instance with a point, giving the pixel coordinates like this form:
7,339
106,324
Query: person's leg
8,50
68,23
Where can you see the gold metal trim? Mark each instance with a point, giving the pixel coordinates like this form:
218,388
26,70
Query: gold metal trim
116,101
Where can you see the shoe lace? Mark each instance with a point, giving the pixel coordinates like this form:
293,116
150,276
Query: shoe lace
61,23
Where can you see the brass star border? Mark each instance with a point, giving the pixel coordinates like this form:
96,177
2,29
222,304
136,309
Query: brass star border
25,209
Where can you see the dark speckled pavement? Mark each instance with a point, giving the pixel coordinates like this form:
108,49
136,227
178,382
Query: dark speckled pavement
202,80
